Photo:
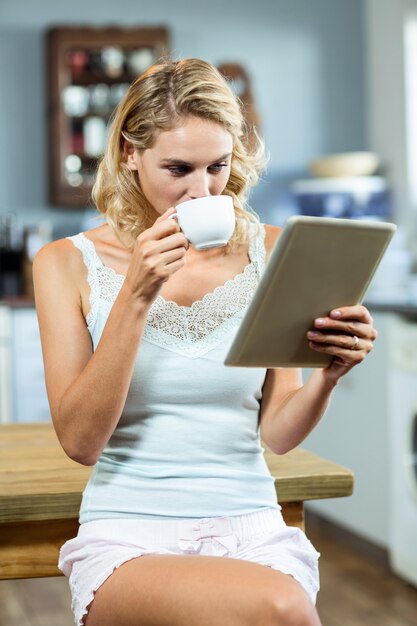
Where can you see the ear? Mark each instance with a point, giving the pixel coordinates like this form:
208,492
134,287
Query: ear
130,155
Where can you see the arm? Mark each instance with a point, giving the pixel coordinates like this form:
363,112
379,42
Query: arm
87,391
289,409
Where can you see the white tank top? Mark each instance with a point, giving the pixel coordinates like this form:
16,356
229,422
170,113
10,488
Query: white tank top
187,443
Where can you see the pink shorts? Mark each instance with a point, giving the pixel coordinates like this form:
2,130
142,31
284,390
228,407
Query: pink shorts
261,537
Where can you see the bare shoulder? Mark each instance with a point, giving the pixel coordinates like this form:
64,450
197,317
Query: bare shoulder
58,268
60,250
58,258
271,235
63,255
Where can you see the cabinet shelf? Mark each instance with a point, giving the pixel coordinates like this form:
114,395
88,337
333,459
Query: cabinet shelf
89,70
84,116
84,157
89,78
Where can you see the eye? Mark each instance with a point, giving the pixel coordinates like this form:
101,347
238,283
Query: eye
178,170
217,167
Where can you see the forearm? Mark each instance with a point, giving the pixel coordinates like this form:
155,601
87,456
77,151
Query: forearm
90,408
287,426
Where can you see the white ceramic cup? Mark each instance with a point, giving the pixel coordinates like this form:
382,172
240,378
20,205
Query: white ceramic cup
207,222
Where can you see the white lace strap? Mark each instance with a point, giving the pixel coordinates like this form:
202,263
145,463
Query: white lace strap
257,252
92,262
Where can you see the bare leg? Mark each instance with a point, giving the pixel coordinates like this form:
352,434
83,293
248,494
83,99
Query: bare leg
165,590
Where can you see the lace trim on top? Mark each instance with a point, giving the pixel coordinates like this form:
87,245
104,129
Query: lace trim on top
187,330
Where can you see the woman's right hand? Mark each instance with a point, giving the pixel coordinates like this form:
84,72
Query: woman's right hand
157,254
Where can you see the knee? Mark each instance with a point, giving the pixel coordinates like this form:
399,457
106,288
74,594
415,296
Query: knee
292,608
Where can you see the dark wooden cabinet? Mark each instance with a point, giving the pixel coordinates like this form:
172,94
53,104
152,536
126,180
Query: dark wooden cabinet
89,70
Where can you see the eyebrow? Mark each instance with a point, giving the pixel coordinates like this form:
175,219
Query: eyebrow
181,162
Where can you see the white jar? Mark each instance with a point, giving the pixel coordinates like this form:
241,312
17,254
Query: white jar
95,134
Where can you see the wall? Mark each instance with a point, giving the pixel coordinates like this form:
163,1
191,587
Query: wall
306,60
385,52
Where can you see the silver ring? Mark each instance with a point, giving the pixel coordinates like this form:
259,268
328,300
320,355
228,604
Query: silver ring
355,342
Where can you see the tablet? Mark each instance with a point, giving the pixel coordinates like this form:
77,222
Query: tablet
317,264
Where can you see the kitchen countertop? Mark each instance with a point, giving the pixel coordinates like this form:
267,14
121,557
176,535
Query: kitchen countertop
18,302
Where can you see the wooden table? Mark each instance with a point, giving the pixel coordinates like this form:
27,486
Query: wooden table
41,488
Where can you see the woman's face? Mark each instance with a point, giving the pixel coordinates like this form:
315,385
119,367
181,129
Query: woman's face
189,161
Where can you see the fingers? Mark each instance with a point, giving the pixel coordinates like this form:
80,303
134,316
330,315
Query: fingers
158,252
165,232
169,242
346,334
165,215
166,264
347,348
358,312
162,227
352,321
345,357
349,342
350,328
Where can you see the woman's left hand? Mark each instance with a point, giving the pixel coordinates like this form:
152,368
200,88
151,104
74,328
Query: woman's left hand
347,334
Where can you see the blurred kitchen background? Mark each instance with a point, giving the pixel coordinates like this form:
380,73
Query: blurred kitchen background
319,77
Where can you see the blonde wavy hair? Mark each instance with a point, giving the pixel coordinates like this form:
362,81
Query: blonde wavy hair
159,100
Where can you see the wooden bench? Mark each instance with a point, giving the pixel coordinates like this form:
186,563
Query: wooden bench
41,488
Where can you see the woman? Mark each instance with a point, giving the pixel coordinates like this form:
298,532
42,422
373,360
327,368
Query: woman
179,522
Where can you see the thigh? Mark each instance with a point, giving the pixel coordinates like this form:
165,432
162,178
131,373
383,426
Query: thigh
165,590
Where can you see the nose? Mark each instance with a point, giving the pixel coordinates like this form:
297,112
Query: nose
199,185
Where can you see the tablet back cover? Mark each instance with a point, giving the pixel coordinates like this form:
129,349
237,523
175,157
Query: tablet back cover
317,264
